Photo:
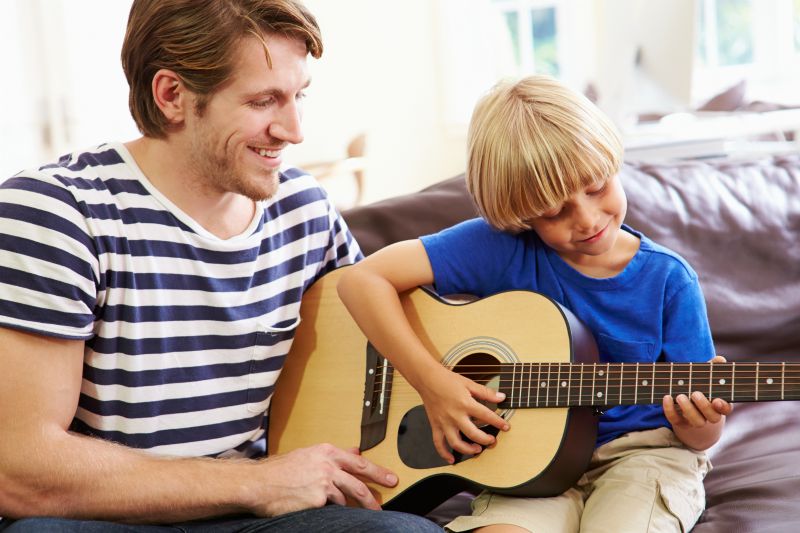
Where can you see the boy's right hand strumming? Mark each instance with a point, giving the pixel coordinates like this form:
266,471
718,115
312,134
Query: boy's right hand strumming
370,291
453,405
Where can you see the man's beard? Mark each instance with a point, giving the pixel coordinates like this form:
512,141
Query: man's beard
223,170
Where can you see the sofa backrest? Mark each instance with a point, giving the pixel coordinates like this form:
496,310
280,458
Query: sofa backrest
736,222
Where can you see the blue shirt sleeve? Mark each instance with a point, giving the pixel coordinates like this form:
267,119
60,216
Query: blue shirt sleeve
687,334
474,258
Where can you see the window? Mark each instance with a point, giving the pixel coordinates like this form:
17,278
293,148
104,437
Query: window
748,40
533,32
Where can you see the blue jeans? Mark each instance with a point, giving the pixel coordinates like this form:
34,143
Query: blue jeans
331,518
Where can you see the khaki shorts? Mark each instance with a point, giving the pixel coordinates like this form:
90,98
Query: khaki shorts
646,481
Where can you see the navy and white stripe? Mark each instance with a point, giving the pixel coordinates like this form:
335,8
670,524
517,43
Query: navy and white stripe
185,333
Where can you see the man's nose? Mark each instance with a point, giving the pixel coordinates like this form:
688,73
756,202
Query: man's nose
287,125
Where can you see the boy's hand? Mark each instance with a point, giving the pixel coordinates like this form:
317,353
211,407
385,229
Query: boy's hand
696,411
452,403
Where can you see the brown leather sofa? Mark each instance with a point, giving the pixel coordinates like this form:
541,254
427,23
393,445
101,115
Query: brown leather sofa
738,223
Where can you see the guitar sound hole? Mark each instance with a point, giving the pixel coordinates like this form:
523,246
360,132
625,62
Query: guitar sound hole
415,439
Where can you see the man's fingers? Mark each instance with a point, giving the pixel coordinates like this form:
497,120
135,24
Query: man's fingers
357,465
348,487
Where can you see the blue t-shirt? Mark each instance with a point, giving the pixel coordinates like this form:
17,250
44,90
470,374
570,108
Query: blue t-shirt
651,311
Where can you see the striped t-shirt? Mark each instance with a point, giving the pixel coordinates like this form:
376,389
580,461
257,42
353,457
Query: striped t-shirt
185,332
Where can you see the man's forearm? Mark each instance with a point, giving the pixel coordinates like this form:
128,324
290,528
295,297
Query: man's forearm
70,475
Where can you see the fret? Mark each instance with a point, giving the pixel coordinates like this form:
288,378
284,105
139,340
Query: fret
553,383
530,384
558,383
771,382
621,381
733,382
653,385
783,378
710,380
569,383
746,382
611,393
580,387
538,380
670,378
546,385
514,380
757,369
689,389
636,385
723,381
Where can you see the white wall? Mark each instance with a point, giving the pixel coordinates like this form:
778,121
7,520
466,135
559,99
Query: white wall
396,71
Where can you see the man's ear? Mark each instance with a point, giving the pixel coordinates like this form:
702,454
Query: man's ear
171,96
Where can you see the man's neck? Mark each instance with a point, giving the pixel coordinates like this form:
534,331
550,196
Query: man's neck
221,213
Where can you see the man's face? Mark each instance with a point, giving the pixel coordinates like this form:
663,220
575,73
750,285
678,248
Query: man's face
235,144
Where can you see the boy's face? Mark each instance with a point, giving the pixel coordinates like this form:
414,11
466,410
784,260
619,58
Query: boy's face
584,229
236,142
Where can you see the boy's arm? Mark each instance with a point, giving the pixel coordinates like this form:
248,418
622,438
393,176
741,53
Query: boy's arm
46,470
370,290
697,422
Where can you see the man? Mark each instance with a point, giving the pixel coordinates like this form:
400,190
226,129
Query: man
149,293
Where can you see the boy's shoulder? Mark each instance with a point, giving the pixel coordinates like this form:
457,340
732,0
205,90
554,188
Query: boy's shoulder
662,257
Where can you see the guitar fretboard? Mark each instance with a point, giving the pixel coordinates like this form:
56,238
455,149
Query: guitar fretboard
609,384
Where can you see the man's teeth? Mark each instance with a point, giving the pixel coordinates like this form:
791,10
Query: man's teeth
263,152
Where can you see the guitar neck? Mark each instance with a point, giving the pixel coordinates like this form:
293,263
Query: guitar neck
610,384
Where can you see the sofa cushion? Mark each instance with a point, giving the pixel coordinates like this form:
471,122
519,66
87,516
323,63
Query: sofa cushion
737,223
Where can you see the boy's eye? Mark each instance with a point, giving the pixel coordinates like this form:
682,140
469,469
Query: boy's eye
597,188
552,214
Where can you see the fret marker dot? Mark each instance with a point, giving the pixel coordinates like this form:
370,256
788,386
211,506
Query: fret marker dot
563,383
599,394
367,403
544,384
680,382
371,371
769,381
722,381
600,373
644,382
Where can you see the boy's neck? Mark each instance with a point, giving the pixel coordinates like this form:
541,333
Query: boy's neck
610,263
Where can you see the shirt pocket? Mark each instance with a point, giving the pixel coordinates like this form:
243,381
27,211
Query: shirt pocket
271,346
616,350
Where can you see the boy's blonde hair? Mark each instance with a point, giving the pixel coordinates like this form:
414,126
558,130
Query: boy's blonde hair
532,144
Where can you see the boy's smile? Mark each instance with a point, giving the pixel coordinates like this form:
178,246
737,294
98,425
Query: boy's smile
584,229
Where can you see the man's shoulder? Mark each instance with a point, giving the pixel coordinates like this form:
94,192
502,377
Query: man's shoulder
101,168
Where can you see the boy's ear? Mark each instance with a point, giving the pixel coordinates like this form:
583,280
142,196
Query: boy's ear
171,96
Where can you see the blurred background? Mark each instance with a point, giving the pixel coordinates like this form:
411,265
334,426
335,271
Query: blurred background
391,97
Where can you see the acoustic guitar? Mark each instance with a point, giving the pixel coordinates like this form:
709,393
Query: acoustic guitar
335,387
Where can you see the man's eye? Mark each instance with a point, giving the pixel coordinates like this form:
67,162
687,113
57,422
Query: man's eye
262,103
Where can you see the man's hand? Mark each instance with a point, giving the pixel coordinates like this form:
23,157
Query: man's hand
312,477
452,403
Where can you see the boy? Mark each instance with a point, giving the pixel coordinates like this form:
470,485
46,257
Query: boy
542,169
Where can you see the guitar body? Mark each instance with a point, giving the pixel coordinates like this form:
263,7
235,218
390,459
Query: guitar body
325,384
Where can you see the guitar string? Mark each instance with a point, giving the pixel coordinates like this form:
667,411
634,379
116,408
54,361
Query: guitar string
647,383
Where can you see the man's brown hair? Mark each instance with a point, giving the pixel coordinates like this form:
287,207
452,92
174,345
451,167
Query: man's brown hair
197,40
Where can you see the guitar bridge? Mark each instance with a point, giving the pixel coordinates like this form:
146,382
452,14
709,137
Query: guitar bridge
377,393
